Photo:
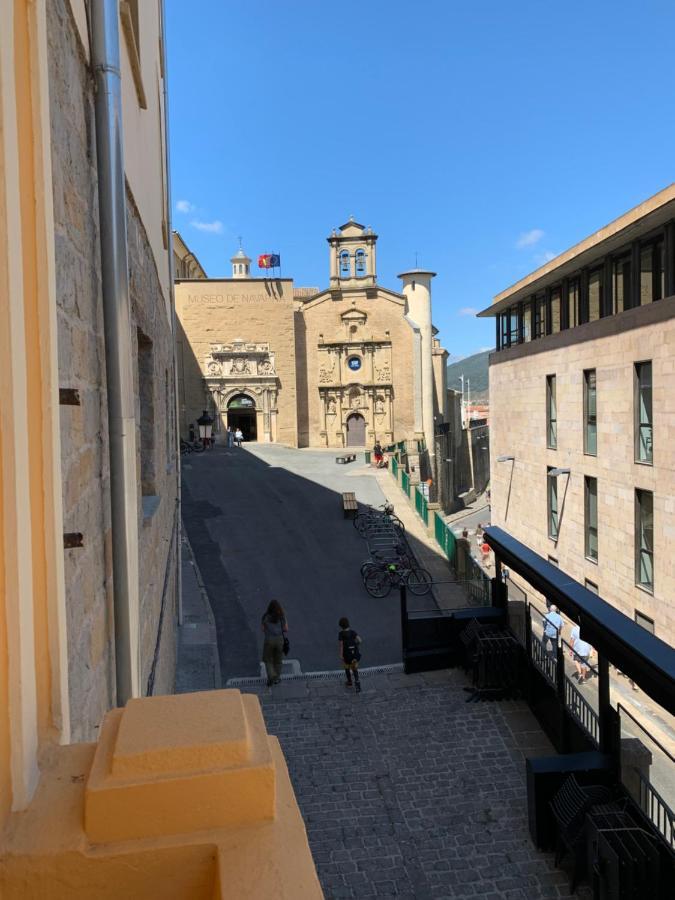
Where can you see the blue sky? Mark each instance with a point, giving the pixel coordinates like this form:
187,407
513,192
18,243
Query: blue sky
484,136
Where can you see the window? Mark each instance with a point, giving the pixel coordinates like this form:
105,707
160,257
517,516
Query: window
527,322
552,504
539,316
643,413
551,414
644,539
591,518
573,303
146,383
651,272
345,267
590,586
513,325
360,260
644,621
555,311
590,414
504,321
595,291
622,284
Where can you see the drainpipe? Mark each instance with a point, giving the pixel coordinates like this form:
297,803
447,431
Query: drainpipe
105,53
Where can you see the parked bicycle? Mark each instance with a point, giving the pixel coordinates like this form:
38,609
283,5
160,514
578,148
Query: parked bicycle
380,579
374,518
191,447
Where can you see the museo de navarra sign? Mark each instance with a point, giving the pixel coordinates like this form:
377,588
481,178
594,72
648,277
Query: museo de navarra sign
231,299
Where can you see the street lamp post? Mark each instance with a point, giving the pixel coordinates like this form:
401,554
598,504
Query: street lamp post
205,423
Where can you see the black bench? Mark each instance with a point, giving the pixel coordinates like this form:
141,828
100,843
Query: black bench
350,507
347,458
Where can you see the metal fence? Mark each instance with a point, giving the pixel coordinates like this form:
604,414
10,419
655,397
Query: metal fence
422,506
477,583
582,711
393,462
405,482
445,537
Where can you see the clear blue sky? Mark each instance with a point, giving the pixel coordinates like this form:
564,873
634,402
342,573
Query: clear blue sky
485,136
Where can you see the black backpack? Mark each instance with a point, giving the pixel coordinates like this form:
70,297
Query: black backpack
350,646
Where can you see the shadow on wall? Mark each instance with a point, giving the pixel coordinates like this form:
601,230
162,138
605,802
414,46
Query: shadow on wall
302,390
262,532
191,392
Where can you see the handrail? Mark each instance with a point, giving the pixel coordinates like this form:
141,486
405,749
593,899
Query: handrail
621,708
658,821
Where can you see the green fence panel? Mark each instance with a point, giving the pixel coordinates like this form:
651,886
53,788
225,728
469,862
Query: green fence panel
421,506
405,483
394,467
444,537
367,456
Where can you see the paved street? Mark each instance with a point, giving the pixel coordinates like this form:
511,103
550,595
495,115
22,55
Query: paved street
266,522
407,791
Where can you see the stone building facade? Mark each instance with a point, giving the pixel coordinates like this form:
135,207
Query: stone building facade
339,367
583,412
85,446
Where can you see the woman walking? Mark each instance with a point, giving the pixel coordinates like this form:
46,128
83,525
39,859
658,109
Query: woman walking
275,630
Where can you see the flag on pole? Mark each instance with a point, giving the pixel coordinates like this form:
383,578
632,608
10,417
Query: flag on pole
275,260
265,261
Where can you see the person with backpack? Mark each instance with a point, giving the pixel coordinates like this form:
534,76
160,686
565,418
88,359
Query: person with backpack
350,652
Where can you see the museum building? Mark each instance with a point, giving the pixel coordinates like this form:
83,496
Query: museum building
344,366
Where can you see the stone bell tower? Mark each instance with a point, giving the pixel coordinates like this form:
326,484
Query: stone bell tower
241,264
352,255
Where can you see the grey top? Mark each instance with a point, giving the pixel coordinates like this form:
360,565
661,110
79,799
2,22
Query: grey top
274,629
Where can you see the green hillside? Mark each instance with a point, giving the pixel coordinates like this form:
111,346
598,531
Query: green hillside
474,368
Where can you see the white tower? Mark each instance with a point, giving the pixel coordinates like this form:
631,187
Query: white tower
417,290
241,264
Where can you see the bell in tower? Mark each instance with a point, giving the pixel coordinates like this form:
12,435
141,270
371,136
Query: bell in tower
352,255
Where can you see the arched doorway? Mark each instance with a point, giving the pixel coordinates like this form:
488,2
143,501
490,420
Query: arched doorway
241,414
356,430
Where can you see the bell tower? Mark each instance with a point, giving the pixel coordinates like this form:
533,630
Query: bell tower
352,255
241,264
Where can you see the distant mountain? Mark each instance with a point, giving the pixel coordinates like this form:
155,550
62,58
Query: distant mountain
475,368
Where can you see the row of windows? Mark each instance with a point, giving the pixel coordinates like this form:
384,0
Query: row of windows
635,276
642,413
644,525
359,263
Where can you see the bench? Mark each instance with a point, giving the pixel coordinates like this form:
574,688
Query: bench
349,505
347,458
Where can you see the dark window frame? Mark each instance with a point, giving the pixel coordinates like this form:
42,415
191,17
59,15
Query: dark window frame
590,419
590,529
552,515
638,424
642,549
551,413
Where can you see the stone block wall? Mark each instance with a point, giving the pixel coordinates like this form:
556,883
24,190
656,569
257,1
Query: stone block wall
84,428
518,428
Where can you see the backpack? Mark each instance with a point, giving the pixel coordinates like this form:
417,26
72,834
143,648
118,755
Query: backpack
350,646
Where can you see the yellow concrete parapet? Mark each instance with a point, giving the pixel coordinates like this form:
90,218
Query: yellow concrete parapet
184,797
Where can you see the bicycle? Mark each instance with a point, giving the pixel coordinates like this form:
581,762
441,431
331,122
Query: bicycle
191,447
375,517
381,578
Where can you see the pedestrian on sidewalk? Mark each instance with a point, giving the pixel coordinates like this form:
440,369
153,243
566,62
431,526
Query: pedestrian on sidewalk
191,432
349,647
377,454
230,437
238,437
479,534
275,629
553,623
581,650
485,550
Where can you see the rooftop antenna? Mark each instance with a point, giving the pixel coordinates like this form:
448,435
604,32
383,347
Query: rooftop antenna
416,266
240,242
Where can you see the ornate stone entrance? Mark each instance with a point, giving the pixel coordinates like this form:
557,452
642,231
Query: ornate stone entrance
356,430
244,370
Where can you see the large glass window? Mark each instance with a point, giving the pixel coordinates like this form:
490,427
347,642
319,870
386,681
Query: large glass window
552,503
591,518
504,322
644,539
651,272
643,413
539,316
622,299
551,414
573,303
527,322
555,310
590,414
595,290
513,325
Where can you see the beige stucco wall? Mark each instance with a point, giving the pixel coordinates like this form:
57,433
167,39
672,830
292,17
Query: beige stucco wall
219,311
518,428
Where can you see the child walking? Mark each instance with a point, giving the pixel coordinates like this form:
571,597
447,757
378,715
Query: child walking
350,653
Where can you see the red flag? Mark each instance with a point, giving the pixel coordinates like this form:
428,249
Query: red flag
265,261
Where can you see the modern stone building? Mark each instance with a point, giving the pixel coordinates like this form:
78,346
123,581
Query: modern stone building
344,366
582,410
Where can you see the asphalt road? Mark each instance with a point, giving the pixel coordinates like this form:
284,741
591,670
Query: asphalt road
265,522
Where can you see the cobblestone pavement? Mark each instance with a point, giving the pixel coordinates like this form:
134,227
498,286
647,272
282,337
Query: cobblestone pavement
408,791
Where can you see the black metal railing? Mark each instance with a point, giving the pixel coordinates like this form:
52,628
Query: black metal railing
657,810
544,660
582,711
